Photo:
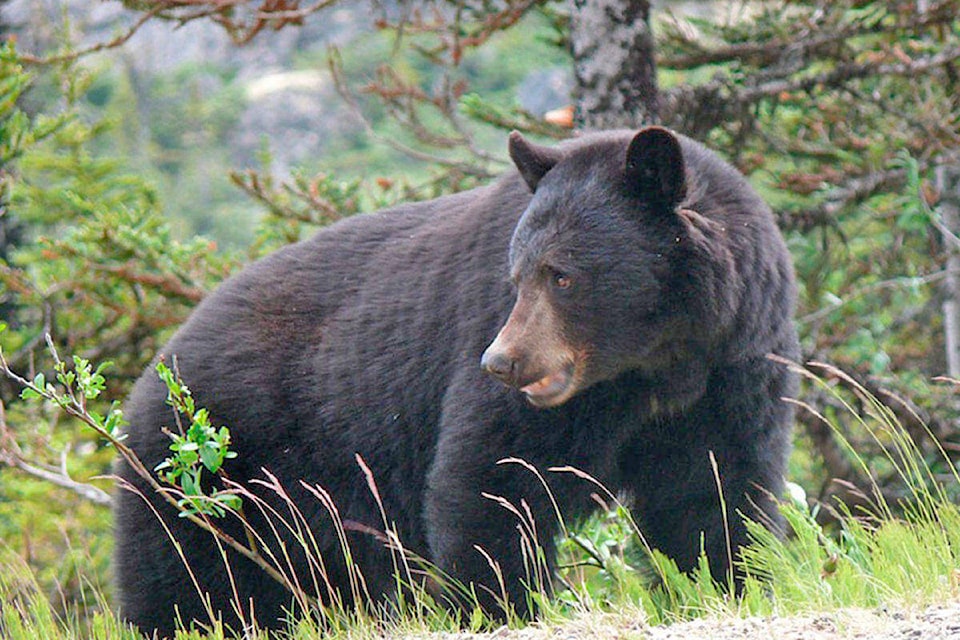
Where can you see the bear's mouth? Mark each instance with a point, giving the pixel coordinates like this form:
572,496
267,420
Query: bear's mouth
551,390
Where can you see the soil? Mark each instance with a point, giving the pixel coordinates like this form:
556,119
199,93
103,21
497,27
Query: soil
939,622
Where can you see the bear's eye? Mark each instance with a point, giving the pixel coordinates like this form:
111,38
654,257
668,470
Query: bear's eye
561,280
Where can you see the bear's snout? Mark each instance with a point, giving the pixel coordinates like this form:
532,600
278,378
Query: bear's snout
500,365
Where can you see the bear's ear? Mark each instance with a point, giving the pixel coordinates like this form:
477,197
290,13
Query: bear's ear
532,160
655,169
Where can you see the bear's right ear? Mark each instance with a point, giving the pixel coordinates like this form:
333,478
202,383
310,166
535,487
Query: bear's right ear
532,160
655,169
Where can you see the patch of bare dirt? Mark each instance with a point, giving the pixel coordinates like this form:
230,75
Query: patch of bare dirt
939,622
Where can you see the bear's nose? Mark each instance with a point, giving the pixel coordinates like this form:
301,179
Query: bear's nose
500,365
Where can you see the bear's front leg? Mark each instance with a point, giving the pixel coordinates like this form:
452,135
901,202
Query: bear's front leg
698,474
474,535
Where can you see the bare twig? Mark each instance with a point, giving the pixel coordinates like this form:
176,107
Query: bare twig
237,17
810,42
345,92
100,46
11,455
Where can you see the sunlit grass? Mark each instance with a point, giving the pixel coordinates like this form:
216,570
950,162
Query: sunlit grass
27,613
903,555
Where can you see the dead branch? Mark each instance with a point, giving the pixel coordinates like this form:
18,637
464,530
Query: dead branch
100,46
697,109
811,42
464,168
851,193
12,456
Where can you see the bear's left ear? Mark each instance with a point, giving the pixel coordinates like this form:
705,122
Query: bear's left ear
655,169
532,160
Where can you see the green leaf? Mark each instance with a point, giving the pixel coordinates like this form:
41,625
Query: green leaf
210,457
477,619
29,394
189,485
230,500
188,458
103,366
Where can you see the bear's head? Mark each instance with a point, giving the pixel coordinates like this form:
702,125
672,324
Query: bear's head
606,264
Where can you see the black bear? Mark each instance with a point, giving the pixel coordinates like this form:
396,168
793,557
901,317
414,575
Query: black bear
627,287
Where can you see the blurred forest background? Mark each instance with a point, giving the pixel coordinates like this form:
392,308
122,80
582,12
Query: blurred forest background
150,148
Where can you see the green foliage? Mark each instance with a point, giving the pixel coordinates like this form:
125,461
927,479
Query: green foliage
437,97
26,612
875,559
17,131
601,555
201,446
80,385
479,109
95,267
845,137
101,271
843,141
175,128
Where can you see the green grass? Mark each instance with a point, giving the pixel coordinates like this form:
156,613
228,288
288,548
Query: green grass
903,555
27,613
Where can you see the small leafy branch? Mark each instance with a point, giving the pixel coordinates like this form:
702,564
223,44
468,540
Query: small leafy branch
80,384
201,446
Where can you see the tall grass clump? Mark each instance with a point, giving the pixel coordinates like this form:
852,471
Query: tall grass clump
905,552
27,613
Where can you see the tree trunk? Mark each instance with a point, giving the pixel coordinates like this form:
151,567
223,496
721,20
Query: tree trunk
615,73
947,184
